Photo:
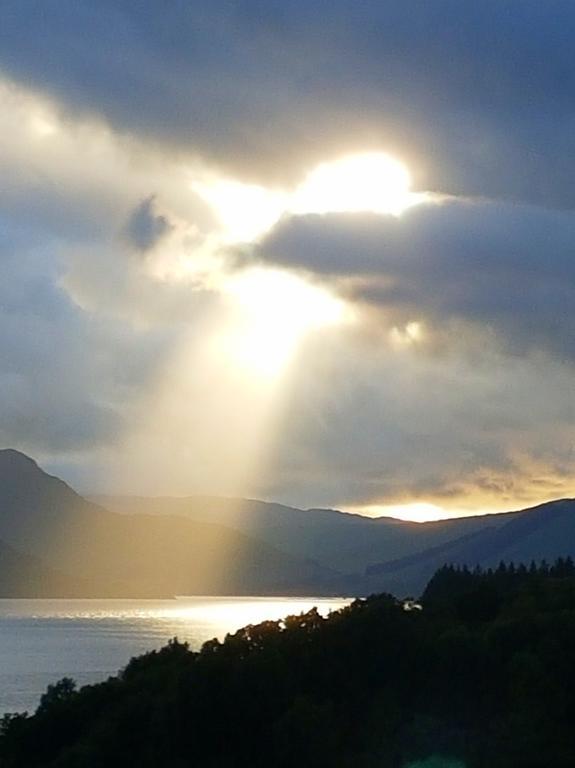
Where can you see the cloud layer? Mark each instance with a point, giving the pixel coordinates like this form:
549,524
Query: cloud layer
448,379
477,98
505,268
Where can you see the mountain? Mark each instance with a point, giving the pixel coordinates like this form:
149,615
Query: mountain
544,532
337,540
382,554
137,546
23,575
107,554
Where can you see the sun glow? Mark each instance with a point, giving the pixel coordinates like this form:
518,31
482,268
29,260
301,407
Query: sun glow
369,182
372,182
277,309
415,512
224,394
244,211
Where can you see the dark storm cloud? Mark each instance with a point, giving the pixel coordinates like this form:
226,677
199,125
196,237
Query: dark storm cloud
507,268
477,97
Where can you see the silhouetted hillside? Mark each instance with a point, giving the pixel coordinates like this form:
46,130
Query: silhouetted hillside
482,677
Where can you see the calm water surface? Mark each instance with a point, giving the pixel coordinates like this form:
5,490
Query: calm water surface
44,640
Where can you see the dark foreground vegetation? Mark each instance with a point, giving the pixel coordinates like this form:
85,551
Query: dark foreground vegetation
483,676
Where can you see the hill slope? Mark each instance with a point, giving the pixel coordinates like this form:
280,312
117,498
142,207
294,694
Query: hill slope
26,576
206,545
111,554
335,539
544,532
380,554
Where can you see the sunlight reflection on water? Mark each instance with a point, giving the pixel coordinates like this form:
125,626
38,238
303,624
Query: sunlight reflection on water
88,640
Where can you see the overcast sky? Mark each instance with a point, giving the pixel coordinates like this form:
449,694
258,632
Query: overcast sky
186,308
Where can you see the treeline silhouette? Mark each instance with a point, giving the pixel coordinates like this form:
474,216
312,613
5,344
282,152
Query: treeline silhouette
482,677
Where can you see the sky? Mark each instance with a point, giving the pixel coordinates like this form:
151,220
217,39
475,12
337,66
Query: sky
316,252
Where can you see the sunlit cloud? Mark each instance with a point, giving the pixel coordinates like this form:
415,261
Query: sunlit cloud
243,211
411,333
370,182
223,349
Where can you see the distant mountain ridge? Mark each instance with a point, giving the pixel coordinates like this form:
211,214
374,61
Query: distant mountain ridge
543,532
339,540
54,542
382,554
106,554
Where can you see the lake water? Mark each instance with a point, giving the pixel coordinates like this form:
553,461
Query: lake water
42,641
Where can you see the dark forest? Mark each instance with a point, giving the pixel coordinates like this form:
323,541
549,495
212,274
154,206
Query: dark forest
480,676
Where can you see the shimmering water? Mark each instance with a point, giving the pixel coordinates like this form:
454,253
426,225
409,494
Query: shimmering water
88,640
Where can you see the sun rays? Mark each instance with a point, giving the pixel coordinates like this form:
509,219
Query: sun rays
276,311
221,399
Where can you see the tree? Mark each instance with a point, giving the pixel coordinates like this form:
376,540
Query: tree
57,693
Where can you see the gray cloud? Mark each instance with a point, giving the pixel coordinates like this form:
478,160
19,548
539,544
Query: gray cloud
476,97
368,424
66,376
506,268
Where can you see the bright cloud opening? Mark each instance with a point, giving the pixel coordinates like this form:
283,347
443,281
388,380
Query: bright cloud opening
371,182
244,211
